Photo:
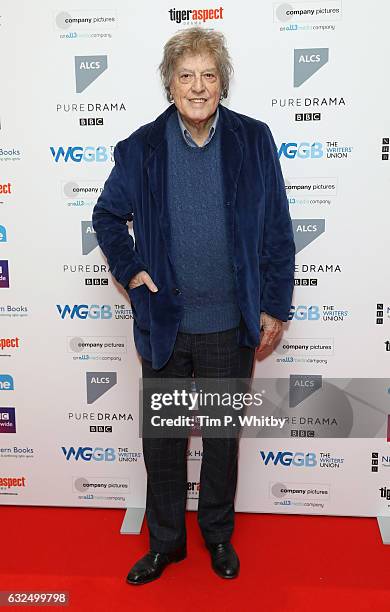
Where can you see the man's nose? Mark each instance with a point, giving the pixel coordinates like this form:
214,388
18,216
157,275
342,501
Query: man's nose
197,84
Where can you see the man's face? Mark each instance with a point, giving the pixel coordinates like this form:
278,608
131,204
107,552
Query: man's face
196,87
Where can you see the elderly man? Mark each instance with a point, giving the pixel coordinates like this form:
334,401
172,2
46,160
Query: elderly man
211,266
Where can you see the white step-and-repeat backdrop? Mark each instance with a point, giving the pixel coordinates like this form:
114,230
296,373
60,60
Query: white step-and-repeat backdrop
77,80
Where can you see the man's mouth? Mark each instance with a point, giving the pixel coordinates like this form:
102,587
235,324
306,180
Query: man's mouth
198,100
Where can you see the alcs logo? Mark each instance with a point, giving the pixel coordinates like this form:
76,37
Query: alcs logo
304,313
78,154
303,150
83,311
286,458
87,453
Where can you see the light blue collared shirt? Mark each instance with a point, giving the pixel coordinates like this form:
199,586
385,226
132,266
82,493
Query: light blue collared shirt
187,136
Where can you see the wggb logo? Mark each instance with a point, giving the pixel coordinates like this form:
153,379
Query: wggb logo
304,313
87,453
83,311
303,150
287,459
79,154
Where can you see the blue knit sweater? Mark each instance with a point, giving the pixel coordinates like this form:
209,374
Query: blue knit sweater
200,234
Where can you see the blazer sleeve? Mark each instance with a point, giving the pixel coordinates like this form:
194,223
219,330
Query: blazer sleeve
277,261
109,219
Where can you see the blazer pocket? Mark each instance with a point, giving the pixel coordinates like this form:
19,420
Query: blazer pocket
139,298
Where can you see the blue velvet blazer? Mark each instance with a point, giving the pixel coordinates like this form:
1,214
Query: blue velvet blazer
254,193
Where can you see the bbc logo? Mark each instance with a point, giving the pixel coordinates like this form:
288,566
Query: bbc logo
96,281
307,116
305,282
302,433
91,121
100,429
385,148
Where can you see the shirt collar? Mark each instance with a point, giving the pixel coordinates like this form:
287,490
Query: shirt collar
187,136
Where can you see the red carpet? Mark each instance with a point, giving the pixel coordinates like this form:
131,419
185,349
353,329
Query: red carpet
288,563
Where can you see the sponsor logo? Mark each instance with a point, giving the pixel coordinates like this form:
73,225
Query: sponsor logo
382,311
81,193
7,420
84,311
87,69
89,453
8,484
3,234
307,102
385,493
198,16
6,382
193,488
9,343
306,231
98,383
82,154
83,121
100,429
385,149
288,458
12,310
5,189
4,274
307,116
91,107
308,495
194,455
313,351
311,16
307,62
100,416
314,313
96,24
100,483
311,191
379,460
10,154
387,345
302,386
88,237
17,452
101,348
124,454
303,150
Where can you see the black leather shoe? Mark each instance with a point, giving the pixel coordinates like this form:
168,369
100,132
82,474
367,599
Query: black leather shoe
152,565
224,560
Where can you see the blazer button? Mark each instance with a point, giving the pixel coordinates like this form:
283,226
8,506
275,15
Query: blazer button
176,291
227,203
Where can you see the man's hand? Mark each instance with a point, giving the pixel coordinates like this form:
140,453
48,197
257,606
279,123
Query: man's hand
272,329
143,278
